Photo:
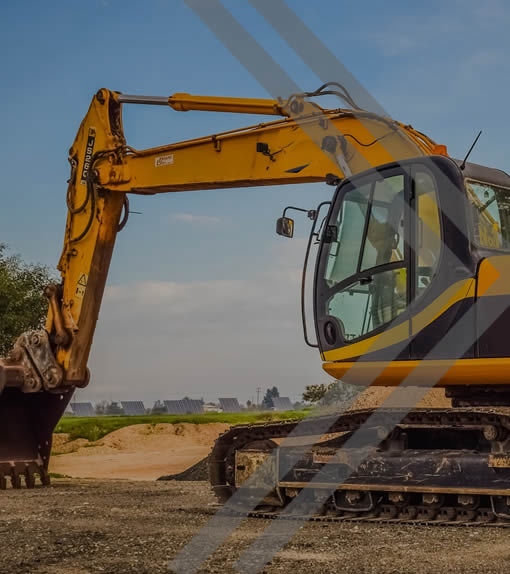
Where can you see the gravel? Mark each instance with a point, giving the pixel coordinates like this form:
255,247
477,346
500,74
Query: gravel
198,471
124,527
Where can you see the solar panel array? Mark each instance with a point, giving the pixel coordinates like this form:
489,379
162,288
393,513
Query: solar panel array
282,404
83,409
132,408
230,405
181,407
184,406
174,407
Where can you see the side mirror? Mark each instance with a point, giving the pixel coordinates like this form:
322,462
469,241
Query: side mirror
285,227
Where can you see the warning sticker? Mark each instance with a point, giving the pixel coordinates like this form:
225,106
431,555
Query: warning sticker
164,160
82,285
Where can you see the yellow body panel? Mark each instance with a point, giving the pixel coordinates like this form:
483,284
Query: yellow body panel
416,373
231,159
493,280
393,335
494,276
85,261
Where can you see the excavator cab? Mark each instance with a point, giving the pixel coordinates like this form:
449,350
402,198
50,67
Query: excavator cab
407,249
411,286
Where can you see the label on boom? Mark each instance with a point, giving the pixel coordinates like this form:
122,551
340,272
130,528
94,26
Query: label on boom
89,150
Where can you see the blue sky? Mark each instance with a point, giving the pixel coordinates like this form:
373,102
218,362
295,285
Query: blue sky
230,290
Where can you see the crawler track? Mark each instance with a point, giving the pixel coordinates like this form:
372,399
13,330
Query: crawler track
482,517
492,507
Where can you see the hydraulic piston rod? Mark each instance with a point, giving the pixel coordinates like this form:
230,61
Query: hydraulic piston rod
186,102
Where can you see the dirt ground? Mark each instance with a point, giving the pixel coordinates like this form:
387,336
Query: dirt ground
137,525
128,527
375,396
138,452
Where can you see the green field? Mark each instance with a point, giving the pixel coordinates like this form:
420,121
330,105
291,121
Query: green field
94,428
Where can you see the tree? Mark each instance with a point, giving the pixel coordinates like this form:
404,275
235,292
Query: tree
114,408
267,401
340,393
23,305
158,408
109,408
101,407
314,393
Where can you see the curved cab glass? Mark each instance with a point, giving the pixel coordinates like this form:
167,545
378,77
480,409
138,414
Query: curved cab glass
385,252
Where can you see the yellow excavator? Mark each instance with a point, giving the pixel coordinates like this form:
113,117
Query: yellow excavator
410,290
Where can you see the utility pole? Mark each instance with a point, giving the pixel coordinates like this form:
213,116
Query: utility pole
258,395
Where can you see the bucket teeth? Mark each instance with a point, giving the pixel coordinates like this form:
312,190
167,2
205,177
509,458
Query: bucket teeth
25,474
29,478
15,479
45,477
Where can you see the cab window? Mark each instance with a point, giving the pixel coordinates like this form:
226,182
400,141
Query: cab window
428,230
366,271
490,210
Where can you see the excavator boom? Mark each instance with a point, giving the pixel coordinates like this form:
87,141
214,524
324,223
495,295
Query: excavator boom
312,145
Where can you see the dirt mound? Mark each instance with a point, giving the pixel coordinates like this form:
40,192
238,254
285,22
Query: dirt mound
198,471
138,452
63,445
375,396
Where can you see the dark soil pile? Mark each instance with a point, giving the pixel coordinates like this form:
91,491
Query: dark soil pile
196,472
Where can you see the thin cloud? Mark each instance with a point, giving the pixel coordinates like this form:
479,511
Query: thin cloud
194,219
209,338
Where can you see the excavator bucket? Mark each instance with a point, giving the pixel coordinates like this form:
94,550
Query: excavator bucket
27,421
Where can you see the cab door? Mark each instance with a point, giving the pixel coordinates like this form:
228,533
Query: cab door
442,265
426,233
363,274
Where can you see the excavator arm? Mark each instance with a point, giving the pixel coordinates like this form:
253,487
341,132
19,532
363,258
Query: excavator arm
308,145
305,144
